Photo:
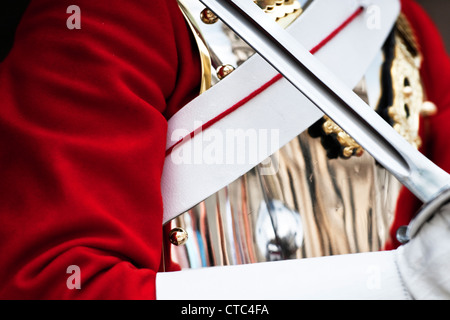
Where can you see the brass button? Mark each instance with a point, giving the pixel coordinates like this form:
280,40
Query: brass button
178,236
224,71
208,17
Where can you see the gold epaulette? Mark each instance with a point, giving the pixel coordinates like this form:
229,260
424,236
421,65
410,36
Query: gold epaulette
405,31
405,86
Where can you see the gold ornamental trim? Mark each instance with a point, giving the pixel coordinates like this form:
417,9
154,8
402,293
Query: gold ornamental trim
407,91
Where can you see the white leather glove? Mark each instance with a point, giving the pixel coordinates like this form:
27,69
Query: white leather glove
363,276
424,262
418,270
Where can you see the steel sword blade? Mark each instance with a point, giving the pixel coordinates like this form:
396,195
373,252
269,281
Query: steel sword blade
421,176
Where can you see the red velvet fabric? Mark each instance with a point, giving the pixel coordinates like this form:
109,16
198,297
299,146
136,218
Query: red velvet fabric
435,130
82,141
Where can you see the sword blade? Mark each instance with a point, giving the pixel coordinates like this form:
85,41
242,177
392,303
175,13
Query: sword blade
421,176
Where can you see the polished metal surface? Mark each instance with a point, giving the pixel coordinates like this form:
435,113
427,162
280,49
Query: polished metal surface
178,236
312,207
205,54
284,53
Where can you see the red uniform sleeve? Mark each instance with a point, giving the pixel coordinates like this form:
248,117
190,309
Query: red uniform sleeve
435,130
82,142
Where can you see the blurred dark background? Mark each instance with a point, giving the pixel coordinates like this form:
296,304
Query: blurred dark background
439,11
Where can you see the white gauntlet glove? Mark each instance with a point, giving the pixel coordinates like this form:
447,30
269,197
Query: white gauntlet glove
418,270
424,262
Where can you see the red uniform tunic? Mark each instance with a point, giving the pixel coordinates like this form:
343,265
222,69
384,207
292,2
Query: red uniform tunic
82,143
82,140
435,130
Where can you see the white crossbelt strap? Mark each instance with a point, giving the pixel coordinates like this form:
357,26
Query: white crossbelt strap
363,276
196,168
